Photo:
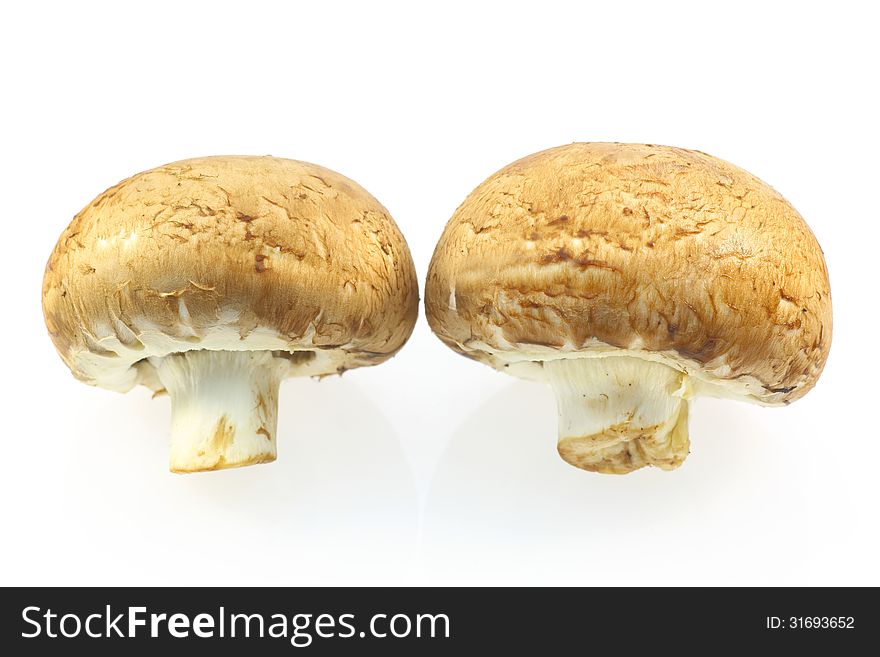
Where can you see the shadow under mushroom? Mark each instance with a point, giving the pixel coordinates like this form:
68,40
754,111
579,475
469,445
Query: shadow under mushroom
501,498
333,510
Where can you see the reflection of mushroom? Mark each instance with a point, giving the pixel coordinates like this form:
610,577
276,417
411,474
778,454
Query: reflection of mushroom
217,277
633,278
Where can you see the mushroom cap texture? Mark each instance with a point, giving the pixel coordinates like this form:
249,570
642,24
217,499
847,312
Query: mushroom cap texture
235,253
659,251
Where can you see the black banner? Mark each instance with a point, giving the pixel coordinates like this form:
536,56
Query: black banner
430,621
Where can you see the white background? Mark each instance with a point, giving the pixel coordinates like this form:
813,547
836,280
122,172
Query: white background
432,469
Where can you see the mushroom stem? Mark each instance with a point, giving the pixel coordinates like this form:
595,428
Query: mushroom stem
224,407
620,413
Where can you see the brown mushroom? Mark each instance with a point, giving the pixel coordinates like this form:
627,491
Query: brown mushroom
633,278
215,278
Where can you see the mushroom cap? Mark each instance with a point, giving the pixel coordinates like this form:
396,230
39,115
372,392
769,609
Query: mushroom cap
229,253
659,252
